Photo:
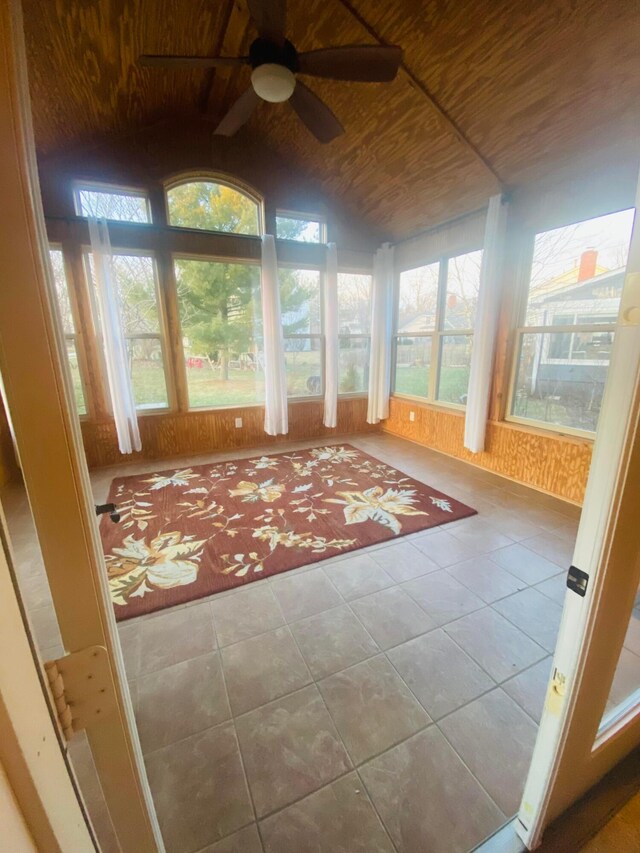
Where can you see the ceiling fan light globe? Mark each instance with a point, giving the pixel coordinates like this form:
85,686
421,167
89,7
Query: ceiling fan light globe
273,82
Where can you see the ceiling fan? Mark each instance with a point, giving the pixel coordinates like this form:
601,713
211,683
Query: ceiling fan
275,63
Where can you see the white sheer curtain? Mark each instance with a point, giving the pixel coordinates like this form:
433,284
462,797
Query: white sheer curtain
276,416
115,345
331,338
381,321
487,313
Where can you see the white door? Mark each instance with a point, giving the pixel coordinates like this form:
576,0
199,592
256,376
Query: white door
581,736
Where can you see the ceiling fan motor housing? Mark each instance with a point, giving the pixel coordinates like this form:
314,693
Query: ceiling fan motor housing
267,52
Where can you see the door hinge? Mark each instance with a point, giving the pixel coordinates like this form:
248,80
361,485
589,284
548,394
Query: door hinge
82,687
577,580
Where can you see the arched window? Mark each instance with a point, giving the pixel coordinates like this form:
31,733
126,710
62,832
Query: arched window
213,205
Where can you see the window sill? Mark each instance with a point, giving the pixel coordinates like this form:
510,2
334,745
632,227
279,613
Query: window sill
536,427
452,408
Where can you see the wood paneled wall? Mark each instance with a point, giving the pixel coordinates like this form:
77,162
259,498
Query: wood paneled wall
557,464
177,434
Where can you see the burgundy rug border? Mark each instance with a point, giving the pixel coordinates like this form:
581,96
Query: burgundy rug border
123,617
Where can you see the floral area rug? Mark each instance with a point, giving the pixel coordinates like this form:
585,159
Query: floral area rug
187,533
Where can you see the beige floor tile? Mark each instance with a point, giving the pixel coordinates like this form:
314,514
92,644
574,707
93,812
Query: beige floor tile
246,840
129,634
305,594
332,641
391,617
512,524
372,707
554,588
494,738
494,643
180,700
529,688
336,819
524,563
485,577
81,759
553,547
199,789
357,575
44,623
442,597
444,549
403,561
34,589
480,535
249,612
439,673
534,613
176,635
290,748
427,799
632,639
263,668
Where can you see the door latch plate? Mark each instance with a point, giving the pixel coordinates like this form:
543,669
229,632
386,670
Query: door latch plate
577,580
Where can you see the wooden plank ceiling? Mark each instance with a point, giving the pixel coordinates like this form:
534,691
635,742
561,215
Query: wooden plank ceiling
530,85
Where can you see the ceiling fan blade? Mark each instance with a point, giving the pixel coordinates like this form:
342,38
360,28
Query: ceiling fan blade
239,113
315,114
270,17
367,63
191,61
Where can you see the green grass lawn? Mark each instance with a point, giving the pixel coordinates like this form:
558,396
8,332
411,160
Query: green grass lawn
414,381
207,389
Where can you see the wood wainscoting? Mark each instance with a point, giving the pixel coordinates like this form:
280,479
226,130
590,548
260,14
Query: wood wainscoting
174,434
556,464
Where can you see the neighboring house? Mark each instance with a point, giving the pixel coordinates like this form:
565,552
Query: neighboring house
587,295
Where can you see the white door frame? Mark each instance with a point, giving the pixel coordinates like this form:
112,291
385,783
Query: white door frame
31,756
574,749
47,431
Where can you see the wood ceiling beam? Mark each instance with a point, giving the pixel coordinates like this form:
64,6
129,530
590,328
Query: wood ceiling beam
450,122
205,94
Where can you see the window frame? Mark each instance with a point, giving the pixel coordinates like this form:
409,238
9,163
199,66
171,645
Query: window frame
162,335
321,336
214,259
199,177
112,189
350,395
436,335
304,217
523,283
76,336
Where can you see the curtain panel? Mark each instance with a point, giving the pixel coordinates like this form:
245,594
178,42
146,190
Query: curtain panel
115,345
276,415
331,338
487,314
381,330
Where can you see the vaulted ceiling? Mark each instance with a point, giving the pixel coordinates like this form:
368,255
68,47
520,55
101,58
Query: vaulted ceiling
492,91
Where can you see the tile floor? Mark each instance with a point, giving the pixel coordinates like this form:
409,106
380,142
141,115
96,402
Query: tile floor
386,700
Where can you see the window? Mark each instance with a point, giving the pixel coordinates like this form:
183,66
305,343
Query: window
221,317
68,326
434,333
210,206
136,280
300,301
293,226
563,348
111,203
354,327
